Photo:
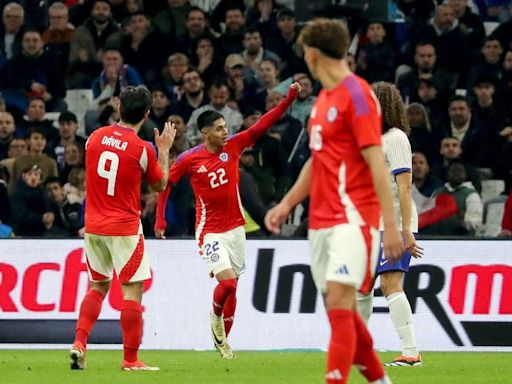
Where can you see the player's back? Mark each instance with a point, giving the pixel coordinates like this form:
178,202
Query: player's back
343,121
116,160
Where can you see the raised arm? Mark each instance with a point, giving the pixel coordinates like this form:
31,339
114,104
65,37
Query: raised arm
271,117
164,143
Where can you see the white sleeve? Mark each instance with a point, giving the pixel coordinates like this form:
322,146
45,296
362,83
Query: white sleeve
398,152
474,212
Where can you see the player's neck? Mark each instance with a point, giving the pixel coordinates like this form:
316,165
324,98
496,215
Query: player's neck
212,148
135,127
333,72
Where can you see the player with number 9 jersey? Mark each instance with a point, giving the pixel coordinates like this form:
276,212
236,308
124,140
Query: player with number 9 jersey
117,161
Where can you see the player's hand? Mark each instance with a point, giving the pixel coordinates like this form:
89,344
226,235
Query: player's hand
275,217
295,87
392,244
410,244
159,233
165,140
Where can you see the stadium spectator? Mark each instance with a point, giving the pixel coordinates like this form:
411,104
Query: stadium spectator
90,37
73,158
115,77
268,72
503,164
266,161
160,106
452,48
376,59
301,108
241,81
33,215
398,158
218,94
470,25
5,205
68,126
425,67
36,142
33,72
148,212
231,40
11,32
113,223
17,148
171,21
325,43
435,103
194,95
221,237
196,25
282,42
424,182
140,42
67,215
172,73
473,138
35,117
504,33
451,150
7,133
489,65
181,143
469,215
421,135
506,223
254,208
206,59
59,34
262,16
254,51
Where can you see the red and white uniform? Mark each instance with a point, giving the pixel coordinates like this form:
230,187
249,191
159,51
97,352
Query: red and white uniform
344,209
116,162
214,178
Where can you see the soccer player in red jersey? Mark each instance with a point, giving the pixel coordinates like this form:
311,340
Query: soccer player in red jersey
116,162
346,179
213,168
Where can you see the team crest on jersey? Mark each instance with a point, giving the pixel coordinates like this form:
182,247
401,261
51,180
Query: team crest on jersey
332,113
224,157
214,257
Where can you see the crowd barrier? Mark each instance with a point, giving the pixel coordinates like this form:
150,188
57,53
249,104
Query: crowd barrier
460,293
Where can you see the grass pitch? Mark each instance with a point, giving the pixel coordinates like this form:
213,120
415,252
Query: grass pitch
184,367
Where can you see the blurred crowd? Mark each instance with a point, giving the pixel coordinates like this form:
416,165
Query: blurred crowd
451,61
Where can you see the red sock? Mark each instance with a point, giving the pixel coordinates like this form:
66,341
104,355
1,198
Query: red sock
342,346
367,360
221,293
228,312
131,323
89,311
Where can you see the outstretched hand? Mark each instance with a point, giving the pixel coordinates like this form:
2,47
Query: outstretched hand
165,140
295,87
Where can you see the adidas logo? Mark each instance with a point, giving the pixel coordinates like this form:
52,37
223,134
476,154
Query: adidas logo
202,169
334,375
343,270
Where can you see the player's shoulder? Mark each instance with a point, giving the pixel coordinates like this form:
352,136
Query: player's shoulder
189,154
357,91
396,135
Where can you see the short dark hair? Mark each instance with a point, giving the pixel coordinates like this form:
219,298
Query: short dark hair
455,98
35,129
207,118
134,103
52,179
195,8
331,37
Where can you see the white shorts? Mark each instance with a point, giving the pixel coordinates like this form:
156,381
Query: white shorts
126,254
225,250
345,254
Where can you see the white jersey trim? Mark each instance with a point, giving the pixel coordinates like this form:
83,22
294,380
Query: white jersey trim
202,222
144,159
353,215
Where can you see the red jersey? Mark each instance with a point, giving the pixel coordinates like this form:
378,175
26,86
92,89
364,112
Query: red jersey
214,177
116,161
343,121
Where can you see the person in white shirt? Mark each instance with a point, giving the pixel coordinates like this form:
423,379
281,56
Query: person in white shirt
398,157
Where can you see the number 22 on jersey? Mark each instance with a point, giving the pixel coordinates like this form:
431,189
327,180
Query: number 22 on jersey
111,173
217,178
